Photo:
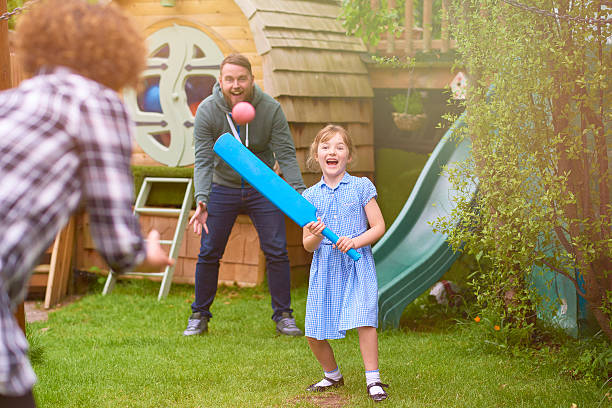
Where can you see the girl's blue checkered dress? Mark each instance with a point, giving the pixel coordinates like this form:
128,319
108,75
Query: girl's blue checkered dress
342,293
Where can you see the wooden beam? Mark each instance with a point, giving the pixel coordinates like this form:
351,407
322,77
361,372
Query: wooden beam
20,316
5,61
5,83
417,45
391,34
61,265
408,28
444,28
427,24
432,77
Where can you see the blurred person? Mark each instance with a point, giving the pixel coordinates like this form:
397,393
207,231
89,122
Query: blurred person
66,140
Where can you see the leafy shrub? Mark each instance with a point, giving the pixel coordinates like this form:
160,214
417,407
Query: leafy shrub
589,358
499,335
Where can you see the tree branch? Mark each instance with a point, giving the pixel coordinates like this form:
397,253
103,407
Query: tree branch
567,275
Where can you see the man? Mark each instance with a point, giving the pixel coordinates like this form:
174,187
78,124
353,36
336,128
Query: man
65,138
221,194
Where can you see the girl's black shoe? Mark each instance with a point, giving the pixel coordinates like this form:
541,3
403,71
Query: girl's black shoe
334,384
381,395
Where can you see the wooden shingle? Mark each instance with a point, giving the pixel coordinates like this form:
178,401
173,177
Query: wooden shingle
319,84
307,8
327,110
306,60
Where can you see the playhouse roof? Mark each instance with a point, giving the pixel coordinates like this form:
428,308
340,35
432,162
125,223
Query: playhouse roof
305,50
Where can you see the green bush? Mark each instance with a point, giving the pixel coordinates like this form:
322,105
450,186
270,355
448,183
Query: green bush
537,114
589,358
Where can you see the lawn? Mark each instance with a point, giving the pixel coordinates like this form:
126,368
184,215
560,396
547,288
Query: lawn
126,350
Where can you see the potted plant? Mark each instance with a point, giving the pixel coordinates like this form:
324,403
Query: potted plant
408,110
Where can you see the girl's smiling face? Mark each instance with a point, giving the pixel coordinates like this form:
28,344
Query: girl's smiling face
333,156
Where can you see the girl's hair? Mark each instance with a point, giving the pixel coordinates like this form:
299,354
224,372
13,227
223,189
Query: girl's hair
323,136
94,40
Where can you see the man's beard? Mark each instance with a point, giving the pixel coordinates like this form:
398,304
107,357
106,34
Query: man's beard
246,94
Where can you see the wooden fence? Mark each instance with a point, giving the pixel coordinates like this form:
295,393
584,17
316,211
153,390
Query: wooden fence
416,35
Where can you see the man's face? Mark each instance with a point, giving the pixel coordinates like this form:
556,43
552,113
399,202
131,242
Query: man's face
236,84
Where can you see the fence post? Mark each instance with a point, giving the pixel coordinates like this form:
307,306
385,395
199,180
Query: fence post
390,34
373,6
444,28
427,24
409,25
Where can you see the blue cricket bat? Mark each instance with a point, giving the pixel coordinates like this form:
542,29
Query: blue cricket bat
268,183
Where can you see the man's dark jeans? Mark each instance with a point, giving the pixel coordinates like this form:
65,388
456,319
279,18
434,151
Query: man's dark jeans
224,205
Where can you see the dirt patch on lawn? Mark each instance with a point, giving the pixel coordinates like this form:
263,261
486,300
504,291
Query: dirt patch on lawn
324,400
35,311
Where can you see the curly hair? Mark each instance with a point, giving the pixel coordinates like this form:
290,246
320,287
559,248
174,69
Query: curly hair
323,136
94,40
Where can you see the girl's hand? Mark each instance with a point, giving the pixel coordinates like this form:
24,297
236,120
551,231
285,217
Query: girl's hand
315,227
344,244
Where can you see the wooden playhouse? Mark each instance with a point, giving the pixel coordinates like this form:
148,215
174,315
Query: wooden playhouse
300,56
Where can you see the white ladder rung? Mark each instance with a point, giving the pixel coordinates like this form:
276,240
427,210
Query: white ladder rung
158,211
168,180
163,241
135,273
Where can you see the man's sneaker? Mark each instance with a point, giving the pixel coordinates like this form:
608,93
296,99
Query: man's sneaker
286,325
197,324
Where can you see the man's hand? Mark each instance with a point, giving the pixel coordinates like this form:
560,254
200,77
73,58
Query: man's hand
198,220
157,258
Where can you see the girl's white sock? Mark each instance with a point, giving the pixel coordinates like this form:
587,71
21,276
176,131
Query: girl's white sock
373,376
334,375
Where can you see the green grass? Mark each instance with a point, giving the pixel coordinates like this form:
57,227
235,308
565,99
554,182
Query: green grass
126,350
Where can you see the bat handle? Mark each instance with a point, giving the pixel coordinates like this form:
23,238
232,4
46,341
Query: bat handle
334,238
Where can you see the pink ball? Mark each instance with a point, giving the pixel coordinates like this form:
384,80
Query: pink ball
243,113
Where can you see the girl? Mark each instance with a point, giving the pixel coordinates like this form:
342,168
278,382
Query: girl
342,293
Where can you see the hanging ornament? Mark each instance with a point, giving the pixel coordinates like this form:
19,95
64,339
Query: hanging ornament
459,85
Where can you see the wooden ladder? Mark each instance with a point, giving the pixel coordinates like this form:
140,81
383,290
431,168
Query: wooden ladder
175,243
54,276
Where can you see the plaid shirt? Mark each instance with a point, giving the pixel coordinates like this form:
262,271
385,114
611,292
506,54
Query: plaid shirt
63,139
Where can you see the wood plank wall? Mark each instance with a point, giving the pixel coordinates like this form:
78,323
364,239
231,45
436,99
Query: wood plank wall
242,263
